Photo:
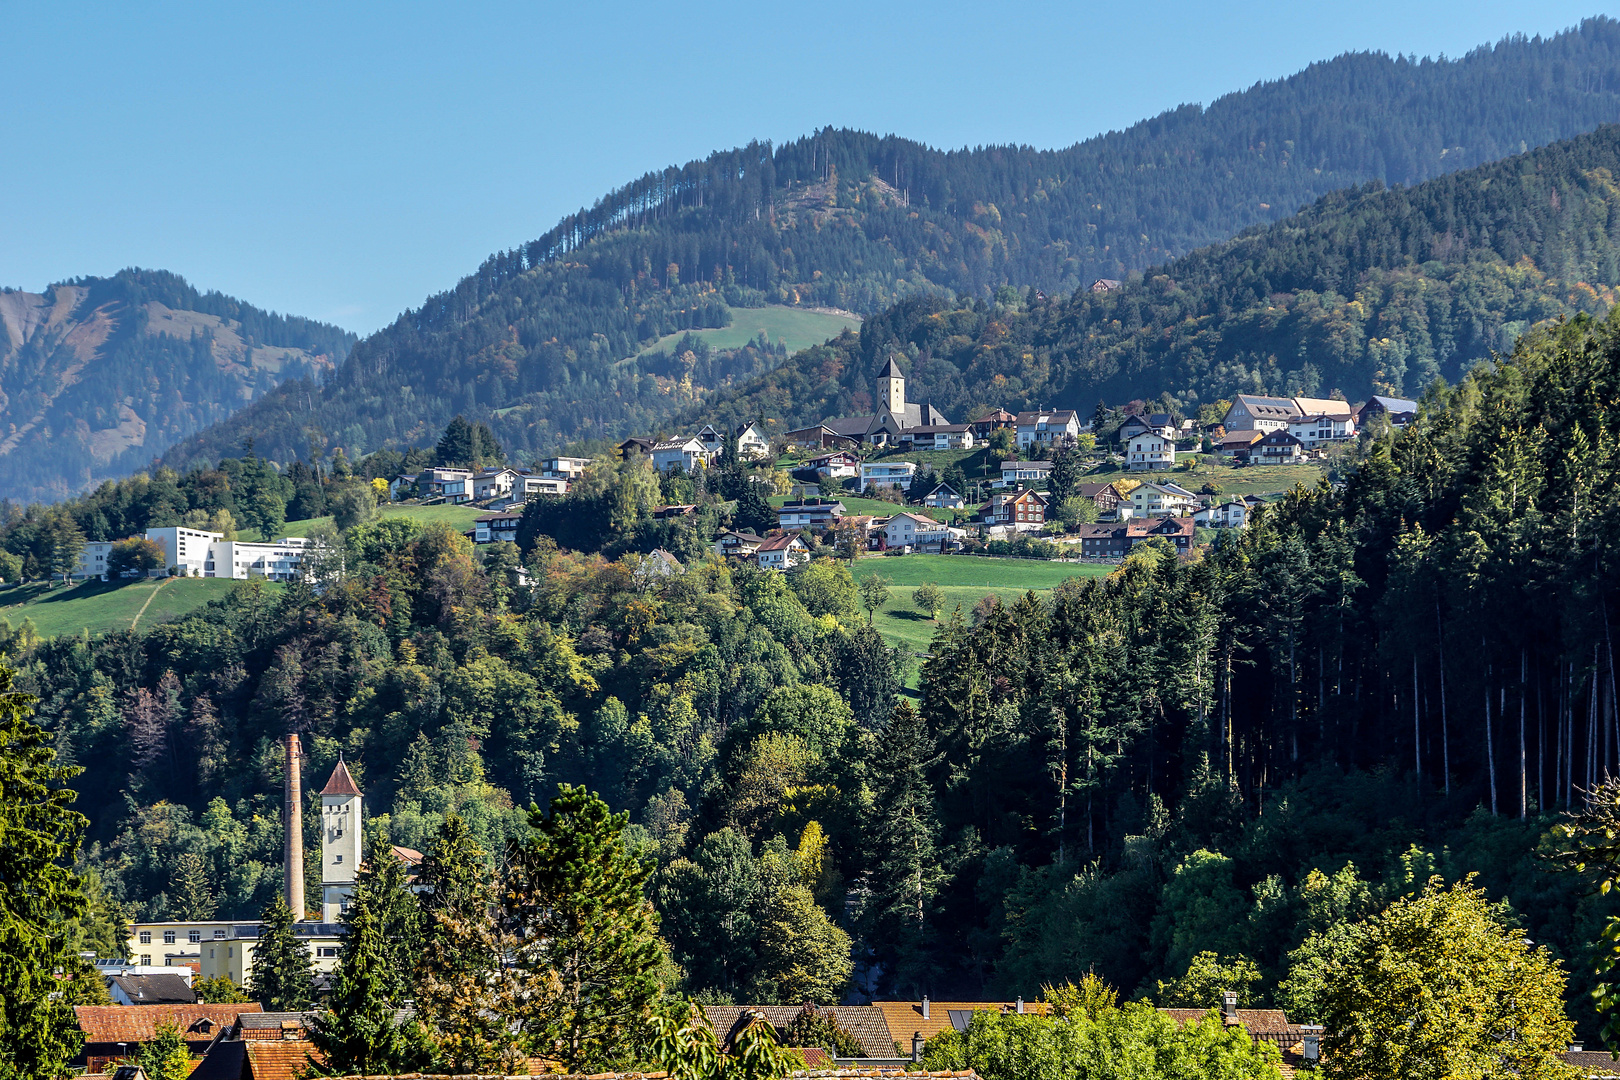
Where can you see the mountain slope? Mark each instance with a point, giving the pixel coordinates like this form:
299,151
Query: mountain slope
536,341
1368,291
99,375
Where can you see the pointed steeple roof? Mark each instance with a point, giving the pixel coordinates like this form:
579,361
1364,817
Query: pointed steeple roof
891,370
341,783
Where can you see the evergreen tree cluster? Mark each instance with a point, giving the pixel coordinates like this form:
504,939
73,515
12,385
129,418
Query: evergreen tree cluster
538,340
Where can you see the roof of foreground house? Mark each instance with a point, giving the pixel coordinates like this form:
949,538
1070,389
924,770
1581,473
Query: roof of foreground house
139,1023
864,1023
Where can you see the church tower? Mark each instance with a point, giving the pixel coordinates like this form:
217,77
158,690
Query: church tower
340,841
893,384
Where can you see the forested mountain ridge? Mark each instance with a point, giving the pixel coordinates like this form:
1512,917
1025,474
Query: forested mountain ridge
98,375
1367,291
535,341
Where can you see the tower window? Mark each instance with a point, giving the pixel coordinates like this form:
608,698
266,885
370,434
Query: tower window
337,858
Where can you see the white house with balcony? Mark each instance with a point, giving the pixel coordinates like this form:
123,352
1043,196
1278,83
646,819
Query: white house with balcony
1312,431
689,454
878,474
1150,451
1047,427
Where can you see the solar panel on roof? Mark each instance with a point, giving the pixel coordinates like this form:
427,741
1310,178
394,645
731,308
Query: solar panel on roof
960,1018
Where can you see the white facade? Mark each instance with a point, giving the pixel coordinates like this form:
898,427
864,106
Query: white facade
1162,500
204,554
1313,430
913,530
887,473
1025,473
1229,515
1047,427
340,846
565,468
1150,451
752,443
689,454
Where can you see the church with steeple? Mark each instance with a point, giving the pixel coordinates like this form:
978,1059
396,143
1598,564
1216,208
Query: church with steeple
895,414
341,832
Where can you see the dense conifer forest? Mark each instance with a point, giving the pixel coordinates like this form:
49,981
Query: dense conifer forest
102,374
1187,773
537,340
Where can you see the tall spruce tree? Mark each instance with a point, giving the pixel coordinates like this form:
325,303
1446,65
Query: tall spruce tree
38,834
283,971
587,937
906,876
358,1032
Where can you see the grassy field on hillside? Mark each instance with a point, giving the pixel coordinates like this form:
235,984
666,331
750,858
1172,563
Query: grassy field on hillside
102,606
797,328
1253,480
965,580
458,517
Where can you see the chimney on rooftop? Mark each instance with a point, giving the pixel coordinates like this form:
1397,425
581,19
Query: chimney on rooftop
292,814
1229,1006
916,1046
925,1006
1020,1006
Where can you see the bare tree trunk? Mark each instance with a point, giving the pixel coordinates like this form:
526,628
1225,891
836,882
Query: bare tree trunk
1490,750
1524,787
1417,725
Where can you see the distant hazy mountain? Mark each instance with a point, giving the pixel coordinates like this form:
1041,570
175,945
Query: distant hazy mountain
99,375
544,341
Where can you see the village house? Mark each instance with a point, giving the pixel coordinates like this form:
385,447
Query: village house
939,437
563,468
1021,511
915,532
781,552
1106,284
1252,412
1162,500
496,528
402,486
808,513
818,437
835,466
451,485
688,454
1019,473
1277,448
1114,541
1047,427
944,497
1399,411
527,484
738,545
1237,445
495,484
1105,497
674,510
1161,424
163,989
1227,515
636,445
881,474
116,1032
1322,428
1150,451
993,421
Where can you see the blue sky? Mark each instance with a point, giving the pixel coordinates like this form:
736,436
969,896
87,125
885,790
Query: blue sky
345,161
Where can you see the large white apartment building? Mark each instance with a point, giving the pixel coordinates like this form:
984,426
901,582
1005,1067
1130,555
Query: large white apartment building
208,554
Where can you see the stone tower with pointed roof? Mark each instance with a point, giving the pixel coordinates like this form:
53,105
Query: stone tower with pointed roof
341,829
892,381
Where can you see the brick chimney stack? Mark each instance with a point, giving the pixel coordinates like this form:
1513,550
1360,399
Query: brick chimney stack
292,815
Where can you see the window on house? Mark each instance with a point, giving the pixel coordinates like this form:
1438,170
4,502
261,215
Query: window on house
146,937
194,936
146,958
168,937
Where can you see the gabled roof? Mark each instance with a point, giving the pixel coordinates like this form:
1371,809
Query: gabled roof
138,1023
1269,407
1091,491
1311,406
864,1022
918,518
905,1018
996,416
285,1059
744,537
1393,404
944,487
1033,466
155,989
341,782
1280,437
780,543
